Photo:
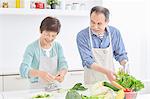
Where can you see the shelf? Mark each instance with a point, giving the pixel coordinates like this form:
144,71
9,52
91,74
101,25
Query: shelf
54,12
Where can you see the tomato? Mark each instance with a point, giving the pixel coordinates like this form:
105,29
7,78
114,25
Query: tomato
128,90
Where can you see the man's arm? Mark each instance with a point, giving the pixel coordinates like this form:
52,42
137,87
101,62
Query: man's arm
110,74
85,50
119,51
119,48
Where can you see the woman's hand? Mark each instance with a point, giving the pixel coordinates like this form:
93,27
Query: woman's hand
110,75
45,76
60,75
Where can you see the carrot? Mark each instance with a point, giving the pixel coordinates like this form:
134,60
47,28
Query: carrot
117,85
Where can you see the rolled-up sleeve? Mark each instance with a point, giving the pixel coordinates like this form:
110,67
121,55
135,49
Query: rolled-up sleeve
119,48
62,63
84,50
25,65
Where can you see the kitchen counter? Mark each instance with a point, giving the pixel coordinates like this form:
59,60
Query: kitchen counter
15,71
27,94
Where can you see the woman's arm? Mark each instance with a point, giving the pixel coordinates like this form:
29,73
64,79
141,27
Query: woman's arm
27,61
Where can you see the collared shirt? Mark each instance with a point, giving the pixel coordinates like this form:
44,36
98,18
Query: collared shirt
84,46
31,58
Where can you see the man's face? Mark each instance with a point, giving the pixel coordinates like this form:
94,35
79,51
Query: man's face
98,22
48,36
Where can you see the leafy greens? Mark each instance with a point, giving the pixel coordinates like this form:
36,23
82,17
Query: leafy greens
128,81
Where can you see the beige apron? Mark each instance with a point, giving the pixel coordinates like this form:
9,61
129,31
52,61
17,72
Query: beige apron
102,56
47,64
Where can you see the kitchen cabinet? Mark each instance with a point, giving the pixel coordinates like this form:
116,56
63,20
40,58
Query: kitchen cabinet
15,82
1,84
62,4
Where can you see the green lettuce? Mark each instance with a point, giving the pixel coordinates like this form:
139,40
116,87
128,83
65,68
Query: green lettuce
128,81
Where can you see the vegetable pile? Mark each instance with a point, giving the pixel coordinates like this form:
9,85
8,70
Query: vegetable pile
125,87
42,95
129,82
74,94
79,87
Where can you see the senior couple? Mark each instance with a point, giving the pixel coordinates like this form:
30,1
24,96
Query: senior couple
44,61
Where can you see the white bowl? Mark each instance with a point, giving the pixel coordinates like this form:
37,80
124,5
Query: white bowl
130,95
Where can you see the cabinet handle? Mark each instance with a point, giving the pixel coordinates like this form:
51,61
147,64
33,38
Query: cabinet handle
19,78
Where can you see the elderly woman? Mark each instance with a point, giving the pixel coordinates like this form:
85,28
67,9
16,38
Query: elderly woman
43,59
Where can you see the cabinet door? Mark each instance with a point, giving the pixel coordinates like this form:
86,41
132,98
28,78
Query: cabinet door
15,82
1,84
72,78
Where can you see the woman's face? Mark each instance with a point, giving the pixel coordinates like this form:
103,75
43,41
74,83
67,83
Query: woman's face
98,22
48,36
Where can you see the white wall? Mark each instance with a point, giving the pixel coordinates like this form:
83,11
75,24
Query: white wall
15,35
18,31
148,37
132,19
70,27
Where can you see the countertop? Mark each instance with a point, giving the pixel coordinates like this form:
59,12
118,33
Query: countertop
15,71
27,94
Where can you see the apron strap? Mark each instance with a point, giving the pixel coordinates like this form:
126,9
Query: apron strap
109,34
91,43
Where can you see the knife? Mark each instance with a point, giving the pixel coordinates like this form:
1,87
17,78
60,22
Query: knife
53,86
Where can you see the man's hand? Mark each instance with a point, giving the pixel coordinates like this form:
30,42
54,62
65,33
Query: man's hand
45,76
110,75
125,66
123,62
